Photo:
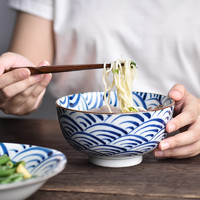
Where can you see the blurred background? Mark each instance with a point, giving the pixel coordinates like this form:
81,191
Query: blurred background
7,20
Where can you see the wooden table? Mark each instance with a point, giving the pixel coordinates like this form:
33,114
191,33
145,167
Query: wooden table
153,179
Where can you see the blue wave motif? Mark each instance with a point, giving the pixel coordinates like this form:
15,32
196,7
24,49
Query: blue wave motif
90,100
40,161
118,134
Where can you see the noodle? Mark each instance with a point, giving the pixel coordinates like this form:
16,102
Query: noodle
124,72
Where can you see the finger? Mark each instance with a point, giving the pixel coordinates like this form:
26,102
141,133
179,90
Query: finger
185,104
41,85
39,100
26,98
9,60
18,99
180,152
30,103
177,93
34,98
13,77
182,139
18,75
43,63
187,117
19,87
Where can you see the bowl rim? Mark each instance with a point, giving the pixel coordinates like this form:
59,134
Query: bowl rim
36,179
129,113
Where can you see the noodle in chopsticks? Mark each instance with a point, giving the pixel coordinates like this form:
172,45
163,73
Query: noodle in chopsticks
124,72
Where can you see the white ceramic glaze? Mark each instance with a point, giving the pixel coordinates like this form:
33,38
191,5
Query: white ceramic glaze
114,140
42,162
116,162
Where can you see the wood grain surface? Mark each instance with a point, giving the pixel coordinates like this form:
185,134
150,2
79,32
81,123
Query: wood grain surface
153,179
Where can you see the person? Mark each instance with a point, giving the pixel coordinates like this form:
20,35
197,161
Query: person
162,37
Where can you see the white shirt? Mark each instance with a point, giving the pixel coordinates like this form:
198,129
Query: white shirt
161,36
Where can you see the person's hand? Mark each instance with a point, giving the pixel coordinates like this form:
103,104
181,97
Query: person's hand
20,93
187,120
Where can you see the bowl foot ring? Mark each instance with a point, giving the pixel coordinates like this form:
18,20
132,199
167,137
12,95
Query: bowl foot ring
116,162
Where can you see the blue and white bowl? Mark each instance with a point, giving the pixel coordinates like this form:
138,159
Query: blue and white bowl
114,140
42,162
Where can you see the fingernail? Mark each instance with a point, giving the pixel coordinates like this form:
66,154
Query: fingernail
165,146
176,94
159,154
47,77
24,74
38,77
45,62
172,128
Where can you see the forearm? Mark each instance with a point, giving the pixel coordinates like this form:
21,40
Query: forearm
33,38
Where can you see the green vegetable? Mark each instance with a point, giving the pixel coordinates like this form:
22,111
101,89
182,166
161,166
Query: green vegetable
12,178
20,162
116,71
10,164
5,171
12,172
4,159
131,109
133,65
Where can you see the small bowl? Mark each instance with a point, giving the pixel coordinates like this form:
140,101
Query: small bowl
114,140
42,162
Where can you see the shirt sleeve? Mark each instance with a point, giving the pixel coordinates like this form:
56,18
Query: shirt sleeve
40,8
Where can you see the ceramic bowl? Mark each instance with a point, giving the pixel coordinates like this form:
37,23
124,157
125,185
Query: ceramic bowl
42,162
114,140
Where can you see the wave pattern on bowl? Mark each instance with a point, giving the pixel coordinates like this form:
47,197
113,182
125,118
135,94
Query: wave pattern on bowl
113,135
40,161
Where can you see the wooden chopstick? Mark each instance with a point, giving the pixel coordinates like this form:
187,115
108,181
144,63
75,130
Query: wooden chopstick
61,68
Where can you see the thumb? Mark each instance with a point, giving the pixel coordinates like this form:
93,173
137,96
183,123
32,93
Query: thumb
43,63
177,92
